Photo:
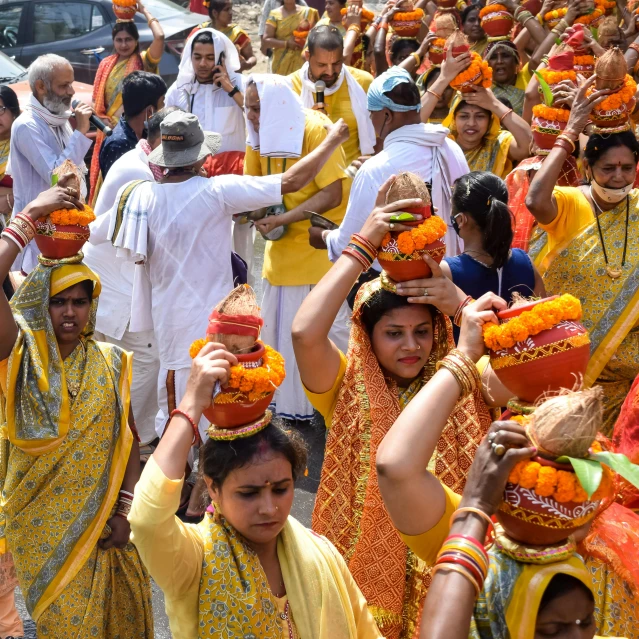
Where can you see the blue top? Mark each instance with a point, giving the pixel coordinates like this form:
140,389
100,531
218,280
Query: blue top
475,278
122,139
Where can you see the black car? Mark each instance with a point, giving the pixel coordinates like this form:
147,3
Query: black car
80,31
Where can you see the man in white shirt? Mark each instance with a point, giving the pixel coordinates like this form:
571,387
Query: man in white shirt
42,138
409,145
210,86
113,322
181,228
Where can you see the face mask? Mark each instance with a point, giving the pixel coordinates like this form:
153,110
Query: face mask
612,196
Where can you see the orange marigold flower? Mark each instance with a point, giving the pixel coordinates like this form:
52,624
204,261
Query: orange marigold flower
387,238
555,77
589,18
196,347
405,243
605,487
546,481
622,97
68,217
555,14
492,8
478,72
529,475
580,494
515,473
596,447
565,491
549,113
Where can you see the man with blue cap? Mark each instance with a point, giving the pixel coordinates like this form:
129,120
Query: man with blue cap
409,145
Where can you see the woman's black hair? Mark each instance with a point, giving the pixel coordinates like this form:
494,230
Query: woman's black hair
403,43
216,5
598,145
203,37
10,100
219,458
467,11
562,584
484,197
463,103
127,26
379,304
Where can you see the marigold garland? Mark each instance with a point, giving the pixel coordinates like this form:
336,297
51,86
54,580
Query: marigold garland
365,16
478,68
256,383
125,3
492,8
555,77
555,14
438,42
623,96
539,318
591,17
584,60
606,4
70,217
561,485
429,231
409,16
550,113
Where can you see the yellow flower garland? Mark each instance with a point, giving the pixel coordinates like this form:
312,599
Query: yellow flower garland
540,317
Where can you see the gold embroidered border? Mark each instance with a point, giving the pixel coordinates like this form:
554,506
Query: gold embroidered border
417,255
575,341
546,521
63,235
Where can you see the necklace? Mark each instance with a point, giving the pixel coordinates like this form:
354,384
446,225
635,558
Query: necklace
613,273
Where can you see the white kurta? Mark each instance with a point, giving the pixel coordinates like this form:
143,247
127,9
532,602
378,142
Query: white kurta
35,152
422,149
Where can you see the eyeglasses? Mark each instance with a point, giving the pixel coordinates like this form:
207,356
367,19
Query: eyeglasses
3,110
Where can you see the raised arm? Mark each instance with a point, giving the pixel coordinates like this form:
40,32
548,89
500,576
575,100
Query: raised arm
320,307
446,616
307,168
540,200
58,197
156,49
413,496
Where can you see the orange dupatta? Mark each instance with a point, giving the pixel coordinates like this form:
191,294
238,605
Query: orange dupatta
349,509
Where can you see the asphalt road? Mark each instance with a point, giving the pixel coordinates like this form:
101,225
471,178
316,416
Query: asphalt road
314,434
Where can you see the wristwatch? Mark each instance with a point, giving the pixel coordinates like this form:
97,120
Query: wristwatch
233,91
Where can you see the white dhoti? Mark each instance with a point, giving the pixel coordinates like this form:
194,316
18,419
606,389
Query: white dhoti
279,306
146,365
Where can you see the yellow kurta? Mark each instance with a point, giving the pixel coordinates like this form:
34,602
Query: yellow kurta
339,106
292,261
570,259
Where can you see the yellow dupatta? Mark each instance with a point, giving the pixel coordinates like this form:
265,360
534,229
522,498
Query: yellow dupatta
236,602
492,154
4,156
287,61
56,442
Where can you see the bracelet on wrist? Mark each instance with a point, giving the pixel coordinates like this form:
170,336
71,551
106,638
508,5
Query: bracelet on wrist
463,369
191,421
458,313
503,117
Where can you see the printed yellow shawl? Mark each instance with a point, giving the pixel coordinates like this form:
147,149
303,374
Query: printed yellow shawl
64,460
235,599
349,509
611,307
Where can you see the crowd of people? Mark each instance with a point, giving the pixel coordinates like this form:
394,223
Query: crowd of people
108,476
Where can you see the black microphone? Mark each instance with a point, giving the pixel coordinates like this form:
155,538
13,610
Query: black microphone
96,121
320,87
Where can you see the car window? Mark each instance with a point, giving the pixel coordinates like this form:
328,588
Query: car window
63,20
9,24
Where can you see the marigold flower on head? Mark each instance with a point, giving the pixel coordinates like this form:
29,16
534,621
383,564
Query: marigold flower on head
478,72
492,8
555,77
550,113
529,475
429,231
580,494
591,17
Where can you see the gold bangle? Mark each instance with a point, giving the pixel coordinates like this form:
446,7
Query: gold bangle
439,97
476,511
354,27
416,57
460,570
20,226
463,369
503,117
565,138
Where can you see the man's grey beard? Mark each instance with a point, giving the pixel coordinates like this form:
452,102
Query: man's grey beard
56,104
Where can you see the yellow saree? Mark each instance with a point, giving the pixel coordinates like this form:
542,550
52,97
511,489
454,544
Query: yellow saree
287,61
65,447
575,263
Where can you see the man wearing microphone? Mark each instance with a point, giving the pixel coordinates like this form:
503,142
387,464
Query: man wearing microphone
42,138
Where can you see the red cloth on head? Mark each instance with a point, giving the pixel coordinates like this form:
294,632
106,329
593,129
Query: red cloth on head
227,163
234,324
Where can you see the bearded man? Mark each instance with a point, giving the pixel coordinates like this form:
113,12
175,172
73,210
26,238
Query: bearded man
42,137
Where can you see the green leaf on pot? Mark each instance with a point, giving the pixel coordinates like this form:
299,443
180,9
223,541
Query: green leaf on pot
620,464
595,33
589,472
54,180
545,90
403,217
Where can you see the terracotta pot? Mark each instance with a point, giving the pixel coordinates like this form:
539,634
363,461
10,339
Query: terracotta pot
545,132
587,70
240,411
534,6
406,28
498,24
436,55
446,4
553,359
415,268
531,519
614,117
56,241
125,13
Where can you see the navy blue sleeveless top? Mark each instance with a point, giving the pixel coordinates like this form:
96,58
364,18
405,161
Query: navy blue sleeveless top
475,278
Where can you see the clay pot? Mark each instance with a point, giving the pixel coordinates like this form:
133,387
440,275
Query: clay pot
241,411
553,359
531,519
436,55
587,70
406,28
613,118
57,242
125,13
498,24
534,6
446,4
545,132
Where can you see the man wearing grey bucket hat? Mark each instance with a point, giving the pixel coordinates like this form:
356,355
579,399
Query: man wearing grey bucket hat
180,230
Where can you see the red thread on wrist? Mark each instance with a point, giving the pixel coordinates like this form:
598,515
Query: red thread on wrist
196,432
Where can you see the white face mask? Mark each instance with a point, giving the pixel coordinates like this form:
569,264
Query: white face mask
612,196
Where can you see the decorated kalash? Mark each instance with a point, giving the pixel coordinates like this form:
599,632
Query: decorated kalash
443,26
61,235
496,21
539,351
401,253
478,72
241,408
358,59
125,10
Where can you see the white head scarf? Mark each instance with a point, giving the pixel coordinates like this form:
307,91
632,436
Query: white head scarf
282,119
186,74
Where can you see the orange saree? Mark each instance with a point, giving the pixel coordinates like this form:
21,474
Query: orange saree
349,509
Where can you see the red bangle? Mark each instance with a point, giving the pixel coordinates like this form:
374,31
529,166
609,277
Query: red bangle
28,220
462,560
196,431
460,308
121,515
472,540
